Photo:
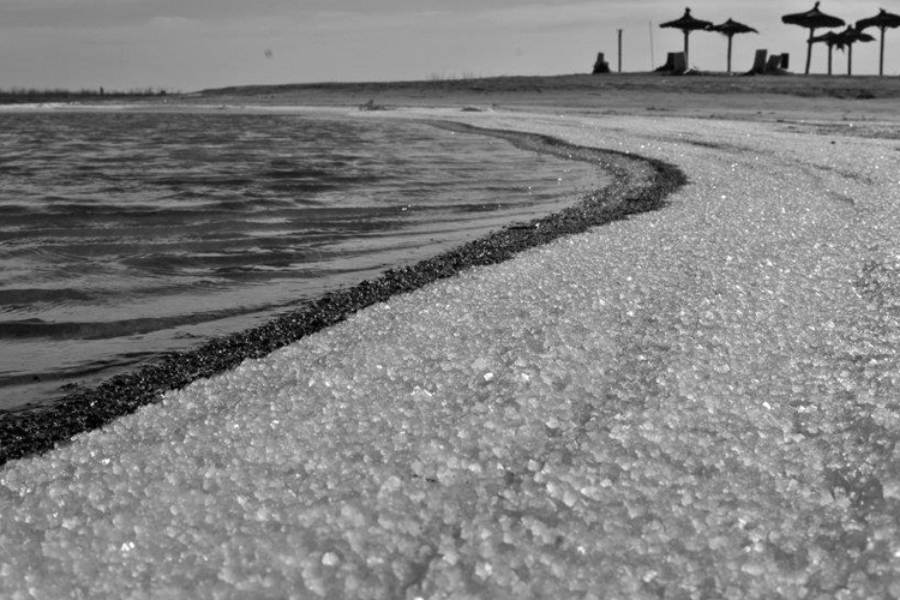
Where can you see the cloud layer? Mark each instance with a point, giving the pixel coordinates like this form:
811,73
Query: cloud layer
194,44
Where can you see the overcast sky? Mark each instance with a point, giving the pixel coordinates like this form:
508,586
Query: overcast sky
188,45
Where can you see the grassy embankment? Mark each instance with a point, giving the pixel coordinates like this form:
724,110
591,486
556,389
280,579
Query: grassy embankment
765,97
842,87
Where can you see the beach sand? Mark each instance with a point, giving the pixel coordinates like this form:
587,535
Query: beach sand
694,402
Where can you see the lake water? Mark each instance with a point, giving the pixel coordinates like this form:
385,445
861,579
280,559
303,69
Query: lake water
127,234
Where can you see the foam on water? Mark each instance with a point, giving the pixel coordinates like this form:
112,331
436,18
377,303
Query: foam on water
695,403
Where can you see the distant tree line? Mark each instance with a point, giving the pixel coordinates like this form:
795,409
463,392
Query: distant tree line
35,95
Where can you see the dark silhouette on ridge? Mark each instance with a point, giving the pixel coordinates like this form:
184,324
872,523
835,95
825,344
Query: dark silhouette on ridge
882,21
687,24
729,29
812,19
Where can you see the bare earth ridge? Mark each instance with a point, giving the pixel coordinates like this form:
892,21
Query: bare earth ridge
756,97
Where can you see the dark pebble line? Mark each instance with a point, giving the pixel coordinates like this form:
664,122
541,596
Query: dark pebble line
639,185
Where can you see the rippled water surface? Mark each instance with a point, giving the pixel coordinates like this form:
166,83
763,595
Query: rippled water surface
123,235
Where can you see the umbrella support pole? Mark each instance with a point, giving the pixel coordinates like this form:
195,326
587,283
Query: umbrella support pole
809,45
729,53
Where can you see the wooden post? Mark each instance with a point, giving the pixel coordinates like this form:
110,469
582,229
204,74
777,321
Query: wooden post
809,45
620,51
730,36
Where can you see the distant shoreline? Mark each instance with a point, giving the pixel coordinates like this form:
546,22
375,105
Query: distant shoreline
18,96
708,95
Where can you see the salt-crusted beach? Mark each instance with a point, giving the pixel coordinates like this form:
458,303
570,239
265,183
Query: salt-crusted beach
695,402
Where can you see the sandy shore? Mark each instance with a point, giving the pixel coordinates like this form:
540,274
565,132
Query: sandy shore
637,185
694,402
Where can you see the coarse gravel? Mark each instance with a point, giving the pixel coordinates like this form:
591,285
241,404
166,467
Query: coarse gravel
696,402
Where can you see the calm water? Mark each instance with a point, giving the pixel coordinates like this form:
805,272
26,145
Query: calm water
123,235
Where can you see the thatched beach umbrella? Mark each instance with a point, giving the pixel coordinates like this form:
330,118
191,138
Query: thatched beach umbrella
849,37
729,28
687,24
812,20
830,39
882,21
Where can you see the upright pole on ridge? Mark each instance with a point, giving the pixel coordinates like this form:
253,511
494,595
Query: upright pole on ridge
620,51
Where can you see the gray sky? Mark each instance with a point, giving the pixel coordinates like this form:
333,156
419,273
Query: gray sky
187,45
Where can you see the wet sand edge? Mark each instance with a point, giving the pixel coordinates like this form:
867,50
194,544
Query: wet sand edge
639,185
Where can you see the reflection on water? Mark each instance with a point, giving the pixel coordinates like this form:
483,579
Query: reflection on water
123,235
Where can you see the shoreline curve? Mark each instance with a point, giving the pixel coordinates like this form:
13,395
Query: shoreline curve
639,185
